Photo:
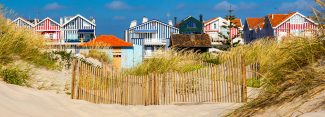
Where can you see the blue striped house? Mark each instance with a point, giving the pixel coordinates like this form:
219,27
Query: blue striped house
151,35
77,29
21,22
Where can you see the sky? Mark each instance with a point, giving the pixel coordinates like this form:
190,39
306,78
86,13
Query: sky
114,16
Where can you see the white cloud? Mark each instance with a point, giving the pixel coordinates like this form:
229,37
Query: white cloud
180,6
117,5
53,6
295,6
225,5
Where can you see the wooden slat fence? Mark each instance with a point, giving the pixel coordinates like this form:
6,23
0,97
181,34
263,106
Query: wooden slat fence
219,83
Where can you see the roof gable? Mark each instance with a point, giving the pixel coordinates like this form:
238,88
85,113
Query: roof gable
22,19
78,16
48,19
154,20
213,20
278,19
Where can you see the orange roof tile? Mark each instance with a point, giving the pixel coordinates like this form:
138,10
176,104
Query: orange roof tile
254,22
107,41
277,19
237,22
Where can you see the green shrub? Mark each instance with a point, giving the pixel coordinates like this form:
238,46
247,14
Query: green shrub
253,82
210,58
13,75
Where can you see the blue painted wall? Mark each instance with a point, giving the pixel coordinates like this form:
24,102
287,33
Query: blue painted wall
131,56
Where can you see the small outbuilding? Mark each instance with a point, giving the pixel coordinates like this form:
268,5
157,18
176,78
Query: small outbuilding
195,42
123,54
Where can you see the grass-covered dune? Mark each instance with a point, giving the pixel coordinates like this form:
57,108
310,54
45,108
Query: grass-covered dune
20,44
289,69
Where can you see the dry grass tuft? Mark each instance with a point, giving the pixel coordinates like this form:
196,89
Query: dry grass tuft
284,66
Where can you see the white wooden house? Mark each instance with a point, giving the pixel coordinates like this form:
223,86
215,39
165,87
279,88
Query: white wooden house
77,29
151,34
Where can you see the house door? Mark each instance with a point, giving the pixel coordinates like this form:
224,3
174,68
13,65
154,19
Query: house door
117,60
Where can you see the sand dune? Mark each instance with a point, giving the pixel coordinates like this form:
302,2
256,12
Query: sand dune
16,101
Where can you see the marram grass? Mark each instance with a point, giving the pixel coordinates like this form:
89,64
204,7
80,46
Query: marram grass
284,66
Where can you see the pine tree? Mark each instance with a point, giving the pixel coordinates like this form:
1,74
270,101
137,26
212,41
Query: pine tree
228,43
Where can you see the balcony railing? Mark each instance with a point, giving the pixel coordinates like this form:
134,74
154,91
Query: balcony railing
154,41
149,41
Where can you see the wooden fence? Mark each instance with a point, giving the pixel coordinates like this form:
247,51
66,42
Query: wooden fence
220,83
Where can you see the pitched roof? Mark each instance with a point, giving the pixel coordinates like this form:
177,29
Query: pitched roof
78,15
237,22
185,20
24,20
107,41
277,19
212,19
254,22
187,40
154,20
49,19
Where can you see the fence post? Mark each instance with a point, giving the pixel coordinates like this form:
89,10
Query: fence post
73,78
244,87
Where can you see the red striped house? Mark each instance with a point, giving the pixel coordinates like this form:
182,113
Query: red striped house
50,29
279,26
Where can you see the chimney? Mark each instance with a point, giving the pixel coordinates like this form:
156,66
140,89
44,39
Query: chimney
92,19
175,21
35,21
170,22
201,18
61,21
272,16
144,19
133,23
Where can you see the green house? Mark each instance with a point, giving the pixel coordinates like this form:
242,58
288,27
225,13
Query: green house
190,25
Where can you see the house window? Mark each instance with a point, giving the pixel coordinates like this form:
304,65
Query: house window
215,26
191,25
51,36
71,24
42,24
52,24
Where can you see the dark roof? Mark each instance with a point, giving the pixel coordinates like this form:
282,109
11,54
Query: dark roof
190,40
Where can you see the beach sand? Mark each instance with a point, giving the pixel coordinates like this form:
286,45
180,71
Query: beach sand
17,101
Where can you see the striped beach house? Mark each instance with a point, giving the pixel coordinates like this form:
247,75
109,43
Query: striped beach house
213,27
21,22
50,29
77,29
278,26
151,34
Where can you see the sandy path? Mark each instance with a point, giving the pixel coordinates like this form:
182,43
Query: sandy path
18,101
